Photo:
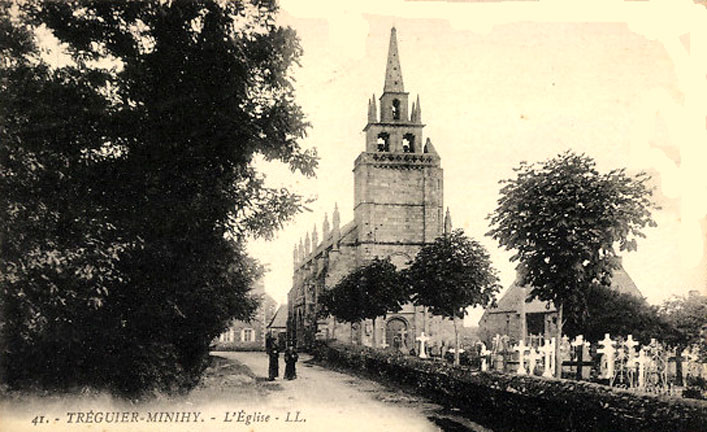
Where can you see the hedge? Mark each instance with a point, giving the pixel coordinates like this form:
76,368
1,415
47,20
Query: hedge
506,402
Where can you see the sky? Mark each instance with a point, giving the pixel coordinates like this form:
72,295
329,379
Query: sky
505,82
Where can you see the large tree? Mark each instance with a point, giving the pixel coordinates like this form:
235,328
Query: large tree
450,275
368,292
127,184
564,219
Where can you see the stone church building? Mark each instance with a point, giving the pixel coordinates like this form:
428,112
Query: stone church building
398,208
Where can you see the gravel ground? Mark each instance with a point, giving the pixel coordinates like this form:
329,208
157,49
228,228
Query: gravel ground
236,396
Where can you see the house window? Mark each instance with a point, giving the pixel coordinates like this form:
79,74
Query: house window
247,335
396,109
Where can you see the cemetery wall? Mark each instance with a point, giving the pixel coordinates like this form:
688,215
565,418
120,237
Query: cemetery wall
512,402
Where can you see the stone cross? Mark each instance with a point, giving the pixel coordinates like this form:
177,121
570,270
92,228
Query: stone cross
630,345
422,339
533,359
483,352
384,345
642,361
607,351
521,348
548,349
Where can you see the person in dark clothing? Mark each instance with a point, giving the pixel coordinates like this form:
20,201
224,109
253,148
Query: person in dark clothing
290,360
274,365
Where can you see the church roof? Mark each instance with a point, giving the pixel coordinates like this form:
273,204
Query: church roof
393,73
620,282
279,320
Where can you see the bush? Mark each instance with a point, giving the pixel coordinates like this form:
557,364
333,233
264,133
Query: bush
528,403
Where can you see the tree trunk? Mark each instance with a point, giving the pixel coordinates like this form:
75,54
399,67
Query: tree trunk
456,341
558,340
375,339
678,365
523,319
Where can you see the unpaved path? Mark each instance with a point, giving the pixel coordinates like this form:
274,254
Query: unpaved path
236,396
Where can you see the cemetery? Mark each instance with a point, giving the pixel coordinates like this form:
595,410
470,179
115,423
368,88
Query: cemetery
615,385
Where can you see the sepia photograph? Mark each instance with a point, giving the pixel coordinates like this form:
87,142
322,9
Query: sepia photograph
392,215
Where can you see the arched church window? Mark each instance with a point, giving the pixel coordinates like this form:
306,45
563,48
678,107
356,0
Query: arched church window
409,143
383,144
396,109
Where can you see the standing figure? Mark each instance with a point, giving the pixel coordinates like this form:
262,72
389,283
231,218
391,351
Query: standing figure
274,364
290,360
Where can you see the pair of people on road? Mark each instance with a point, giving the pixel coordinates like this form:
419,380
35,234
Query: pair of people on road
291,358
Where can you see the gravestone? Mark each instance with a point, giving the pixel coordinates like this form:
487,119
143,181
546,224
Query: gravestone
422,339
608,354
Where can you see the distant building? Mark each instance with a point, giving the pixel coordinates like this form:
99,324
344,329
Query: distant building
398,208
277,327
250,335
541,317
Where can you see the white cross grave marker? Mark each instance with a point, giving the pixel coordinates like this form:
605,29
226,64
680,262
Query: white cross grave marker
548,349
533,360
607,351
630,345
422,339
483,352
642,362
521,348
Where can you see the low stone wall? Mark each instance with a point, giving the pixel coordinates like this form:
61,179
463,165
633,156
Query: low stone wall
507,402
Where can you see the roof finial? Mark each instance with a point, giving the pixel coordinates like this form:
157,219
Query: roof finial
393,73
447,222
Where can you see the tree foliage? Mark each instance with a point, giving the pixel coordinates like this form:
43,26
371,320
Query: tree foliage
127,185
369,291
451,274
616,313
564,219
686,317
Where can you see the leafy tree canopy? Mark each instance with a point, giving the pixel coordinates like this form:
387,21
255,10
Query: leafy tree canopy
618,314
564,219
686,317
369,291
451,274
127,186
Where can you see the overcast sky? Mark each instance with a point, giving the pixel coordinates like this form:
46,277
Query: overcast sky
500,83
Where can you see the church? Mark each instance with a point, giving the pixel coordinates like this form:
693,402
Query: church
398,208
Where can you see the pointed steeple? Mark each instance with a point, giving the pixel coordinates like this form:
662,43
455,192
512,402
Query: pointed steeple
295,256
307,245
372,111
447,222
393,73
315,238
325,227
301,250
335,226
413,113
418,111
429,148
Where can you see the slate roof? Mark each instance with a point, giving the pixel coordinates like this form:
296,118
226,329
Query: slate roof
279,320
620,282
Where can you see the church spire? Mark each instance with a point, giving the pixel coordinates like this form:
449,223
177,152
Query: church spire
393,73
418,111
447,222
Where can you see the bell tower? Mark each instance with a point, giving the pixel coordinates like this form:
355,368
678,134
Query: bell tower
398,180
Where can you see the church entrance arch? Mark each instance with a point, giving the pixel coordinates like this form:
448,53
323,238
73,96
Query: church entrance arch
396,334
